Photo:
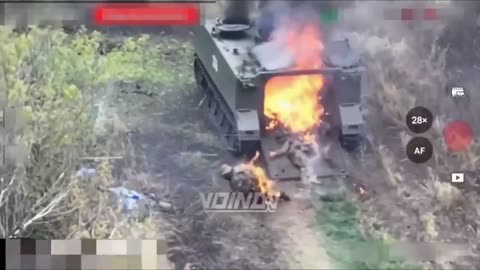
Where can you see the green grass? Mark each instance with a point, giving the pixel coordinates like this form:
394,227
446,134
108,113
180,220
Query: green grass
329,15
347,246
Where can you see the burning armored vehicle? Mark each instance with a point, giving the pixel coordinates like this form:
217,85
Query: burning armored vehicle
259,81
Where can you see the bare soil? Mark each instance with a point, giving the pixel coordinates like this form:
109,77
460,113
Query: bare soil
302,242
284,239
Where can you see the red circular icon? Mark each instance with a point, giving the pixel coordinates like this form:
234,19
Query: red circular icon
458,136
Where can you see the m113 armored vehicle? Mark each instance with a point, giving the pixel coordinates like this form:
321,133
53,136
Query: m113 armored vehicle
233,77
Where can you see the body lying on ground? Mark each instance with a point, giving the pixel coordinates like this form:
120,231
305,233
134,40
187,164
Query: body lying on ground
300,149
242,178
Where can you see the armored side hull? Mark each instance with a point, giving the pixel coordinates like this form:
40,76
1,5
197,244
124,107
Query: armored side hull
240,129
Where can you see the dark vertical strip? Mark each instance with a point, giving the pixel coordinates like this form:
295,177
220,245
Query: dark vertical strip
161,247
73,262
3,252
2,154
28,246
2,13
203,13
89,247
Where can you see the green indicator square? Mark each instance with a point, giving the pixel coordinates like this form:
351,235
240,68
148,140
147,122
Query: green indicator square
329,15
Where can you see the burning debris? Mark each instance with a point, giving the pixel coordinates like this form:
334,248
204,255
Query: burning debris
248,177
292,102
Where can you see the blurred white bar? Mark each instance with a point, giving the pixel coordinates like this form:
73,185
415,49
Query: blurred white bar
23,14
414,251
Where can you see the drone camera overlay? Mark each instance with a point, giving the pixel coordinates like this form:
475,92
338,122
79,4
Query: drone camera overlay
240,134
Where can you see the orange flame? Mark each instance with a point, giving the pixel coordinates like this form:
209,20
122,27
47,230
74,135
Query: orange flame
265,184
293,101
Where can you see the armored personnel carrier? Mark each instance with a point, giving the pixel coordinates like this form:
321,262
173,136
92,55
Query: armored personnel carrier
234,62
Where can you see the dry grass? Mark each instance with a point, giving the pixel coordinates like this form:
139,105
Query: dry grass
100,214
404,73
397,99
393,176
428,220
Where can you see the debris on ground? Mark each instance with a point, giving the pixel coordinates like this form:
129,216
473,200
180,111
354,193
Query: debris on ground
128,198
132,200
299,149
162,204
85,173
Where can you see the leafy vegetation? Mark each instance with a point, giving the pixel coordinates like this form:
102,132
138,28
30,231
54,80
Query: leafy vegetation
348,246
58,79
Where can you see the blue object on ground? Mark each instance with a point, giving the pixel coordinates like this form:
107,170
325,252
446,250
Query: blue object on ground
128,197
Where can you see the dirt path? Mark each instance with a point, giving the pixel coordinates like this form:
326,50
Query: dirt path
170,147
285,239
296,219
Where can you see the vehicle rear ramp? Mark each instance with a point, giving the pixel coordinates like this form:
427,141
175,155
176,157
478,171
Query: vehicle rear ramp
282,169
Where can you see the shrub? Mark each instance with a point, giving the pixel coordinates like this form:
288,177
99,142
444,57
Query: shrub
57,79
